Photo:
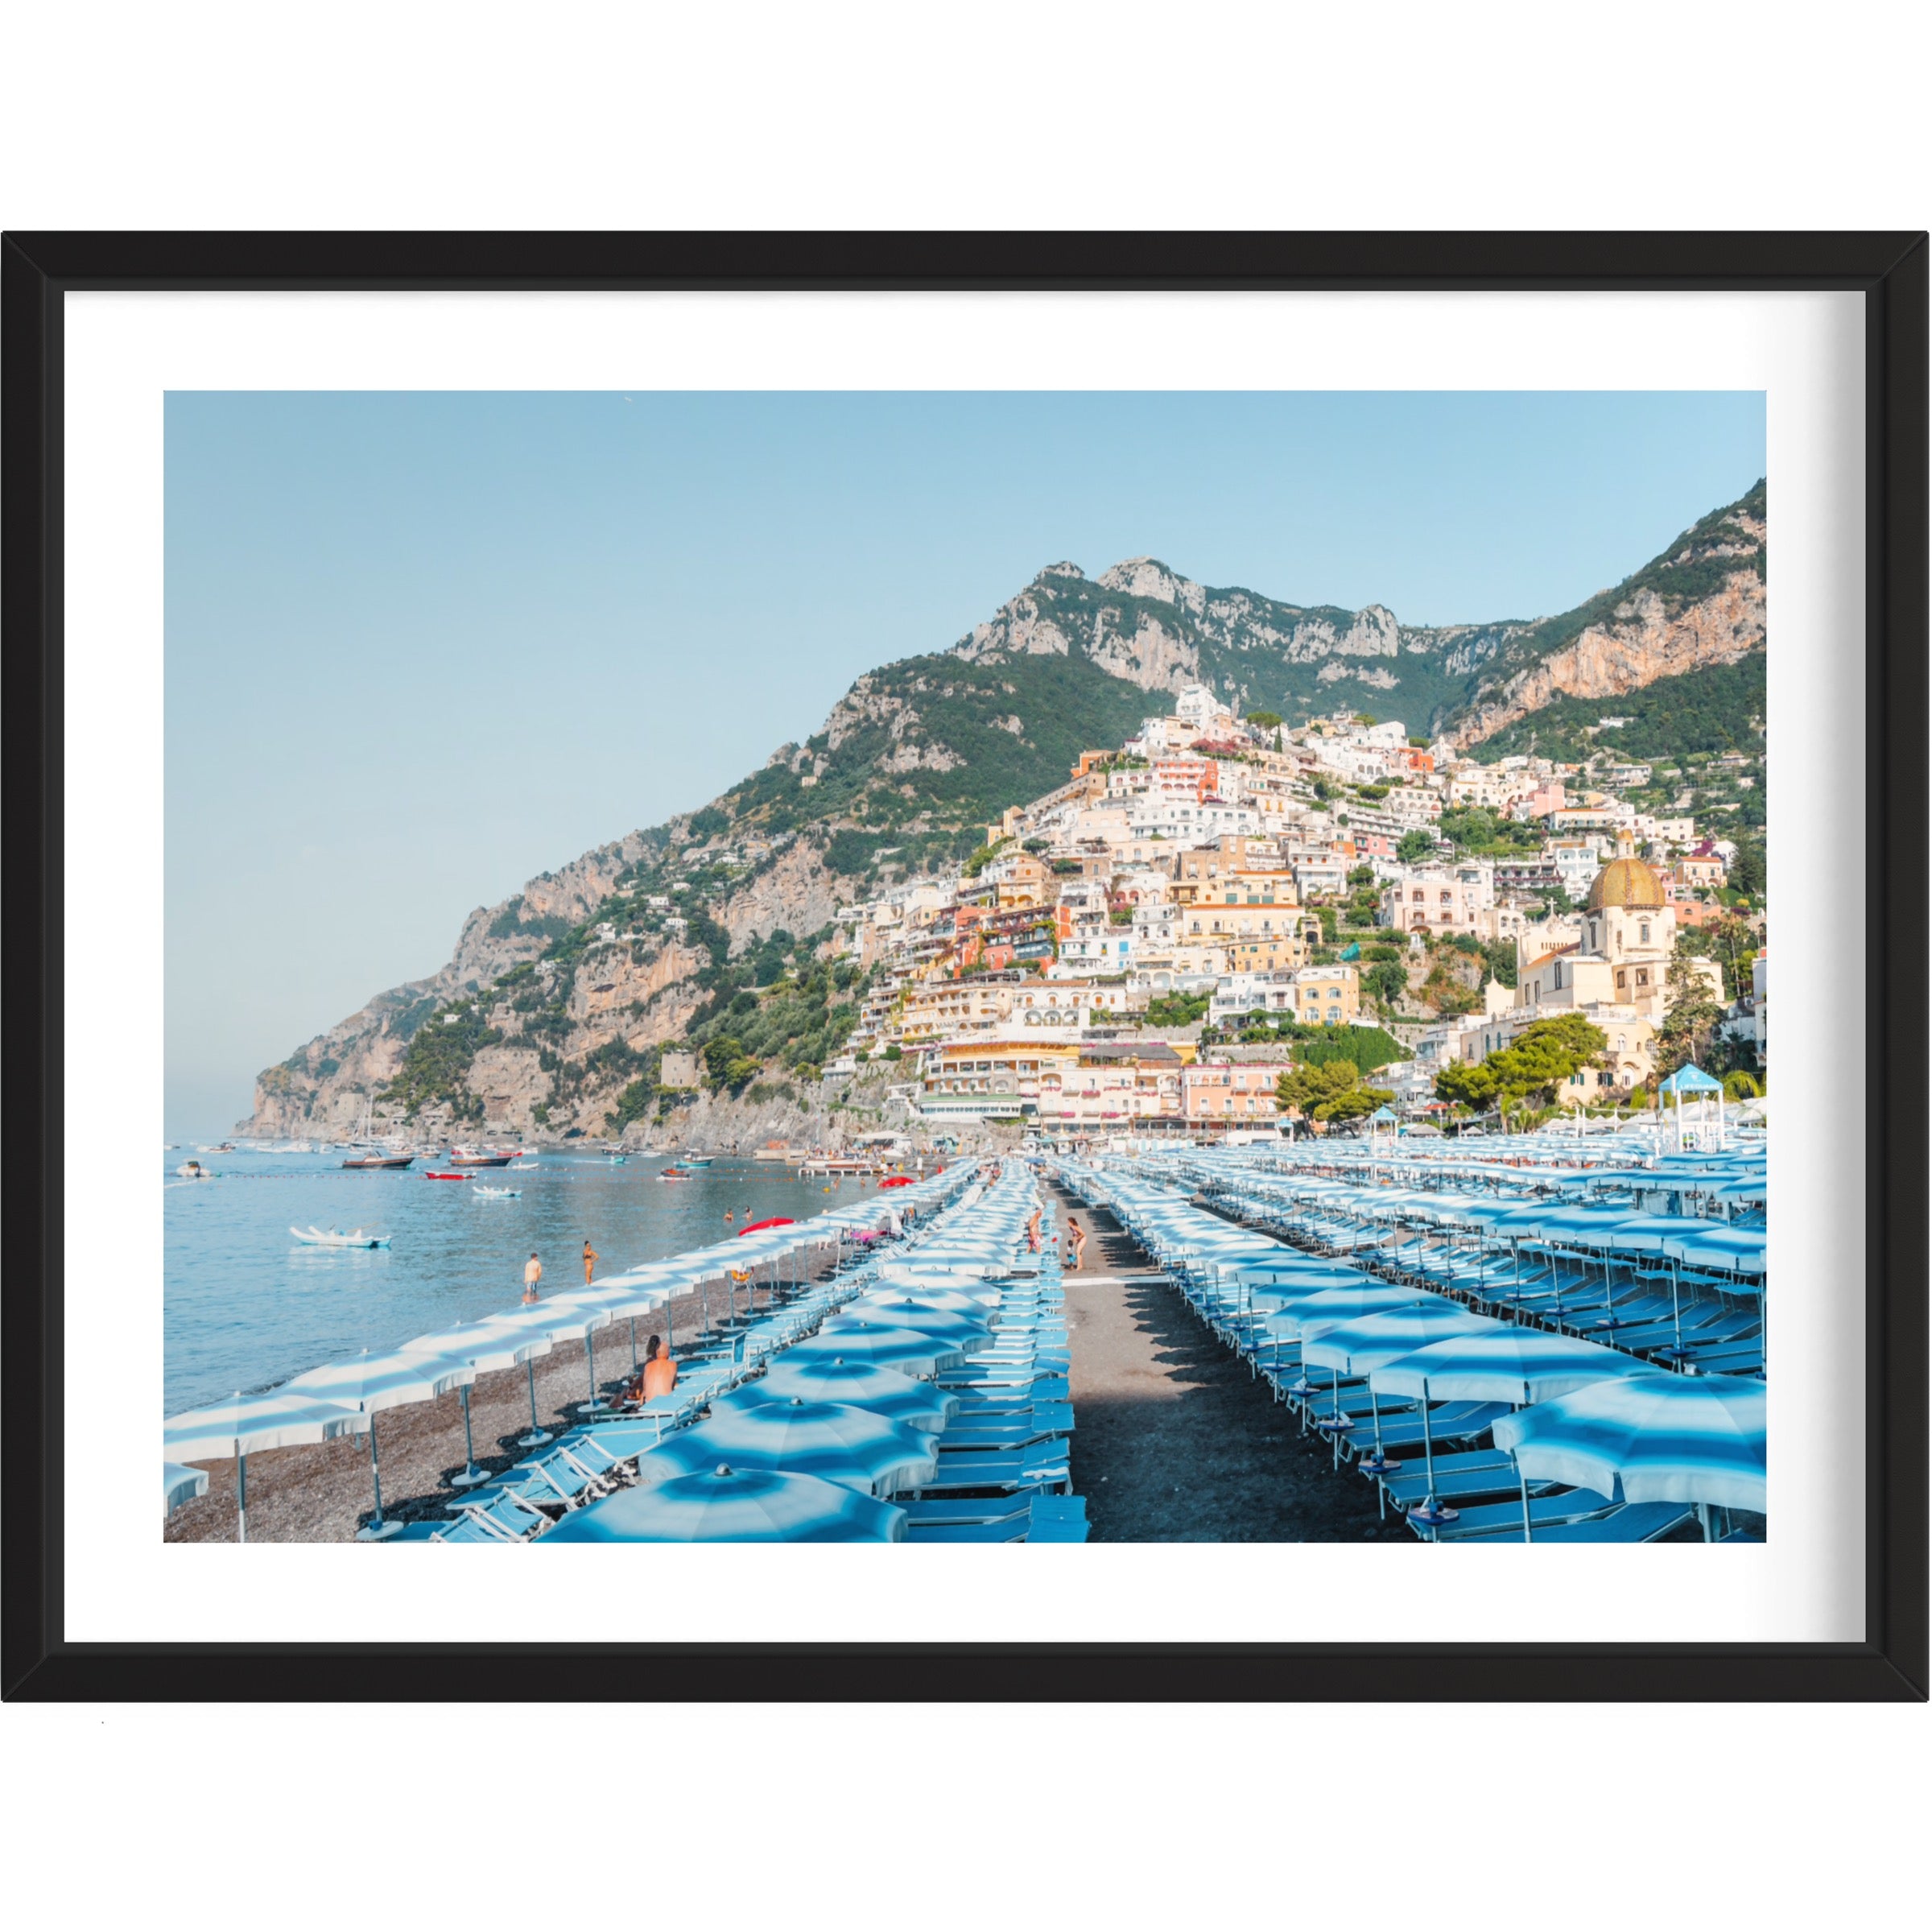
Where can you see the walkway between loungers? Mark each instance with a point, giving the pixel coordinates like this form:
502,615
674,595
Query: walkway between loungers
1173,1441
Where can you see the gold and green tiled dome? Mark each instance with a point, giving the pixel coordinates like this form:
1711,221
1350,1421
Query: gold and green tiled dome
1625,882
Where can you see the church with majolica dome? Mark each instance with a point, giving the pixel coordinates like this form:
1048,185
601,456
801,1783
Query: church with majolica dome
1610,961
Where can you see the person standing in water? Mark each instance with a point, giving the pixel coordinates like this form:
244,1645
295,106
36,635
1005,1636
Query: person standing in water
532,1273
591,1257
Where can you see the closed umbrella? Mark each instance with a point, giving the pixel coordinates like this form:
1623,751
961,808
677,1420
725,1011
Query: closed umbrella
856,1384
179,1484
252,1424
1696,1439
373,1381
488,1349
826,1438
725,1503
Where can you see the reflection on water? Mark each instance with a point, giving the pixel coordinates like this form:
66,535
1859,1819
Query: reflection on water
247,1306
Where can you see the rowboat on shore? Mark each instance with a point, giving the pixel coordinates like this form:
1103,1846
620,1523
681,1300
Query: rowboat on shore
313,1235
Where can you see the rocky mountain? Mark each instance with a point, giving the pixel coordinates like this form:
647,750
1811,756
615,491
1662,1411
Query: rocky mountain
556,1006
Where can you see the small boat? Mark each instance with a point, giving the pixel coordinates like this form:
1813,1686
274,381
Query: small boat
470,1156
496,1193
446,1175
676,1172
615,1159
698,1158
313,1235
192,1169
369,1162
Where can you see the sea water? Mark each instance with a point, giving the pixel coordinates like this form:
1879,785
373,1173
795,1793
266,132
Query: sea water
246,1305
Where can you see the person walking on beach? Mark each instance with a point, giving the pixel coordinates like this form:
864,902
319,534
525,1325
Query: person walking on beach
1074,1232
1032,1232
532,1273
591,1257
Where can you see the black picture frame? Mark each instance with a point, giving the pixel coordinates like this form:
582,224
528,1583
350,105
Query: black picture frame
1890,271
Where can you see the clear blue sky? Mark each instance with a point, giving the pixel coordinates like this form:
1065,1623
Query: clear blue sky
422,647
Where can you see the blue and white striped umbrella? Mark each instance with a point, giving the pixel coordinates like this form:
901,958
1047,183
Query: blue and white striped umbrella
1731,1248
252,1424
1510,1364
1677,1437
179,1484
1353,1346
837,1442
726,1504
373,1381
932,1300
921,1355
489,1349
1337,1304
856,1384
957,1331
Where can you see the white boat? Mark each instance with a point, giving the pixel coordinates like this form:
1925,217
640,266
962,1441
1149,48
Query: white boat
698,1158
497,1192
313,1235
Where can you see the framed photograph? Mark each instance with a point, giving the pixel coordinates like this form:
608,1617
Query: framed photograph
778,892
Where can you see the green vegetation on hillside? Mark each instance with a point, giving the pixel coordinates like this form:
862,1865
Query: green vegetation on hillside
1711,710
435,1068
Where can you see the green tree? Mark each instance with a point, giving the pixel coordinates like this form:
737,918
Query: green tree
1415,847
1331,1092
1387,983
1546,1055
1691,1018
1265,720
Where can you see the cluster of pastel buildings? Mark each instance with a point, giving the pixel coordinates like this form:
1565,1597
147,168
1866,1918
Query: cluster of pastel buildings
1060,978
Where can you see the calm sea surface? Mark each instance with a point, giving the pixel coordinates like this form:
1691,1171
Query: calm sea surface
246,1306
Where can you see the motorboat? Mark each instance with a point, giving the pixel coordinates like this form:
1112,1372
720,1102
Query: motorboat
192,1169
471,1155
698,1158
446,1175
369,1162
313,1235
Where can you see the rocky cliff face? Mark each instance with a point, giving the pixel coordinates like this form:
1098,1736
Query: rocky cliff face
543,1020
1643,642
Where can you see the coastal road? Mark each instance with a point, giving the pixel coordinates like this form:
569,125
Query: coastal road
1173,1439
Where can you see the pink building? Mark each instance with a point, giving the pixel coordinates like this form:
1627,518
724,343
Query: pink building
1214,1094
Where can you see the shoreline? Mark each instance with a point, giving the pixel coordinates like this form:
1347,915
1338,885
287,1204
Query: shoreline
323,1493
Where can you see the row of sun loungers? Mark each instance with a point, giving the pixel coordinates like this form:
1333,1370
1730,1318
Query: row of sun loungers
1002,1466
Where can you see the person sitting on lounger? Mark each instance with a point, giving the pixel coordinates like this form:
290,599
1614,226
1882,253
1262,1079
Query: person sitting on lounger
660,1373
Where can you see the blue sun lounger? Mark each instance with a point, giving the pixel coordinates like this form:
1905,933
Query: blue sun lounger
1635,1522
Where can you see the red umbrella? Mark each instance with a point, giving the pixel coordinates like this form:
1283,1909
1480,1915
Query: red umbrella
900,1181
759,1225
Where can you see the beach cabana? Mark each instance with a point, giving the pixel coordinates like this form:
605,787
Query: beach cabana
725,1503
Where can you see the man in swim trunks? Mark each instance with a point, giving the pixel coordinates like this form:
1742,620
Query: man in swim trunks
532,1273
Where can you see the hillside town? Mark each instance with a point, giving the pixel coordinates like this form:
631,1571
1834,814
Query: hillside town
1225,926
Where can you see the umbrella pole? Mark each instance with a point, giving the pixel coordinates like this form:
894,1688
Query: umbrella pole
1523,1482
472,1474
240,1497
1677,1319
378,1529
594,1405
634,1343
536,1437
